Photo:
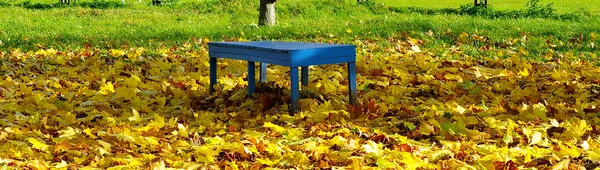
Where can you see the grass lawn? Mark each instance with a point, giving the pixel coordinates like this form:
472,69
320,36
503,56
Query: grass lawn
143,25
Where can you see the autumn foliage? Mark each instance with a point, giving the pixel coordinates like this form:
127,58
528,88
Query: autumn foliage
430,108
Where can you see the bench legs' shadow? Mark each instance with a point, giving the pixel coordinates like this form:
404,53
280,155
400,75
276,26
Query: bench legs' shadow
263,74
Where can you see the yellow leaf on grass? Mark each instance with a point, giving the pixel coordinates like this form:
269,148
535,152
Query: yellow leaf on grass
117,53
37,144
274,127
524,72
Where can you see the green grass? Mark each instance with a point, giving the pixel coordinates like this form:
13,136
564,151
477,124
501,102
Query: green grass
329,20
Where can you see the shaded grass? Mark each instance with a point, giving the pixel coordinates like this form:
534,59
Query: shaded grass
562,6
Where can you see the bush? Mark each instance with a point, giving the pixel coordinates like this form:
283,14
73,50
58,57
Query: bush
4,4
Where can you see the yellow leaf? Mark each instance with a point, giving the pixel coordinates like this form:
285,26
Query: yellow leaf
105,145
330,86
460,109
385,164
349,31
132,81
103,151
182,130
159,121
125,137
61,165
117,53
370,148
88,132
125,92
357,162
274,127
415,48
524,72
454,77
338,140
37,144
135,117
564,164
107,88
152,141
267,161
426,129
535,138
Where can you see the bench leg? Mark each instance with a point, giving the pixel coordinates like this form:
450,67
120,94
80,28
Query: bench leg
251,78
352,83
295,89
263,72
305,76
213,74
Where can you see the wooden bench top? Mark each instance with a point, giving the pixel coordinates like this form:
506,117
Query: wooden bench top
284,53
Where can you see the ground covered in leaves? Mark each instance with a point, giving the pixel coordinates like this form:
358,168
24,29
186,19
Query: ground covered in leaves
430,108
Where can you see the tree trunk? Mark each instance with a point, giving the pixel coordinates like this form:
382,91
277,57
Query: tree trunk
267,13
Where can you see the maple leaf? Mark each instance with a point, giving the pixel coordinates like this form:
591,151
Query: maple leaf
274,127
37,144
135,117
371,148
106,88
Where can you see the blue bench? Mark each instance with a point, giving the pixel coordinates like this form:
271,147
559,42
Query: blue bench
289,54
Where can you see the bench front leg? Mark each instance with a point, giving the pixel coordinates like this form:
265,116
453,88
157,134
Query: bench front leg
251,78
295,89
213,74
352,83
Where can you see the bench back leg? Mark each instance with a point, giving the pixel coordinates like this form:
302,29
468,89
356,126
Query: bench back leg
251,78
295,89
304,75
352,83
263,72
